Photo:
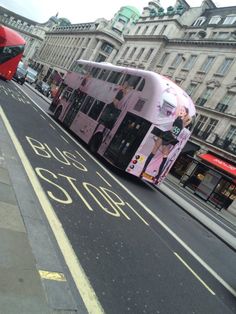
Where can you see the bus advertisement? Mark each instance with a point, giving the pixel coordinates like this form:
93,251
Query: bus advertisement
138,120
11,51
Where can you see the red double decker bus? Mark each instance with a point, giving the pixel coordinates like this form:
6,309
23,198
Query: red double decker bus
11,51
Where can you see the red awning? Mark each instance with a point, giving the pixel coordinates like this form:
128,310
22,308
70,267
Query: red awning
231,169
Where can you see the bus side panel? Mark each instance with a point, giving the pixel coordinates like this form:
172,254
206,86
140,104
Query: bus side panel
153,163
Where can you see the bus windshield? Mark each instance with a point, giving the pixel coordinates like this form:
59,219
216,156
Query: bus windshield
137,120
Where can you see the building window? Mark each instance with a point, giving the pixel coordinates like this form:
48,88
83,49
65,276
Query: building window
209,128
230,19
132,53
223,35
148,55
163,30
191,89
231,134
215,19
125,52
225,102
199,21
190,62
205,96
107,48
140,53
153,29
199,124
207,64
177,60
224,66
145,30
164,58
137,30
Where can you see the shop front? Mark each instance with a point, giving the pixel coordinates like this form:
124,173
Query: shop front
212,179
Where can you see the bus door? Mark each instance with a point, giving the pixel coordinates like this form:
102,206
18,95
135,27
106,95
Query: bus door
127,140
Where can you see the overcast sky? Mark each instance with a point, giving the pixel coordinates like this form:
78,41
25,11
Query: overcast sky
79,11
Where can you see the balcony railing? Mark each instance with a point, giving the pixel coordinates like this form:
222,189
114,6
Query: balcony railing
222,143
225,144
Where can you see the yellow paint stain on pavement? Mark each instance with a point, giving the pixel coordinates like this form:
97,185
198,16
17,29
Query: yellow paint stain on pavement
49,275
82,282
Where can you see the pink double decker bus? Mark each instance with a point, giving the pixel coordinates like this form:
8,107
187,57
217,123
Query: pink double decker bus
137,120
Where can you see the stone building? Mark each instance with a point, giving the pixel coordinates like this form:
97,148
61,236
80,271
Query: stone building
98,41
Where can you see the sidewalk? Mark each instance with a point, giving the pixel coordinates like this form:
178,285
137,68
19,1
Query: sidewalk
221,223
33,276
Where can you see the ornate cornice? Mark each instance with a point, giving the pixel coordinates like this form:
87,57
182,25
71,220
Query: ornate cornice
202,42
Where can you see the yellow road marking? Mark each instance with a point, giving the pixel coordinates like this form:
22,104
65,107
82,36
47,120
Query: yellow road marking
86,291
49,275
103,178
193,272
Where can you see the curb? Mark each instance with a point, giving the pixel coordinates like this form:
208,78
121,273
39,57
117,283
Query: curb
214,227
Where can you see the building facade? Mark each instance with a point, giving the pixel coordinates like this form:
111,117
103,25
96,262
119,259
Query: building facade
98,41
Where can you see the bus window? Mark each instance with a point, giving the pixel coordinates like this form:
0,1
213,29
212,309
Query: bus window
79,68
132,80
139,105
7,53
87,104
66,94
109,116
141,85
95,72
103,75
114,77
96,109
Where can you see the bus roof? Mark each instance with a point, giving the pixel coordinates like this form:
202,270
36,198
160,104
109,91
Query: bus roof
9,37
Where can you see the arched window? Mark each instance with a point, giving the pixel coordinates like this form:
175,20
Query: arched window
215,19
199,21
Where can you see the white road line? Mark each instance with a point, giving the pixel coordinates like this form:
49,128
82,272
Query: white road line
87,293
43,117
64,139
52,126
103,179
154,216
193,272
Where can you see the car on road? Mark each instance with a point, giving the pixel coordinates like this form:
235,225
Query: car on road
43,88
20,74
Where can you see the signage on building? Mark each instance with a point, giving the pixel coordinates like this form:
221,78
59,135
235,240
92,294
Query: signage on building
219,163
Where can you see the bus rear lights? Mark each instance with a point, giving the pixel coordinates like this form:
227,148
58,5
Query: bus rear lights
137,157
134,161
132,167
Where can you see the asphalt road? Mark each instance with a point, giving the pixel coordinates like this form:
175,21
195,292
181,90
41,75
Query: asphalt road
127,237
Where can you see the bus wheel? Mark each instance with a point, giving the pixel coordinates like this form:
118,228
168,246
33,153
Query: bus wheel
57,113
95,142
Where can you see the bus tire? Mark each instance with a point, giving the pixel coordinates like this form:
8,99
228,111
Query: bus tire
57,113
95,142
